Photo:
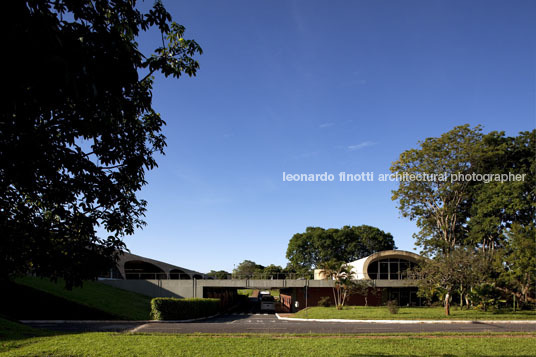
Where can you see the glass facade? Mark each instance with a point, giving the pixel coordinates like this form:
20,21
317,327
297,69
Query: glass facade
389,269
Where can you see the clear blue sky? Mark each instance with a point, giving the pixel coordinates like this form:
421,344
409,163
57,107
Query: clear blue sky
315,86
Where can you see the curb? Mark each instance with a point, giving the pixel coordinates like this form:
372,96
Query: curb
412,321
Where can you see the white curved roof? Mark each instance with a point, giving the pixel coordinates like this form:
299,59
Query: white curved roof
359,267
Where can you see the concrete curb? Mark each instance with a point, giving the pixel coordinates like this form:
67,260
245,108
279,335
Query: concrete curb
412,321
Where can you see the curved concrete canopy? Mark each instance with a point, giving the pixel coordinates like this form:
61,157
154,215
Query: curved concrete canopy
360,267
164,267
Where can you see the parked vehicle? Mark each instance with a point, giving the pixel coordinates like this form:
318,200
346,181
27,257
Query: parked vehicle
267,303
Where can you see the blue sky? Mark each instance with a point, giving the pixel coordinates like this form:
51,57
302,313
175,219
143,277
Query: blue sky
313,87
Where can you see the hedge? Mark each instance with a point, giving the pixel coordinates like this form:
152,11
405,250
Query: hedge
183,309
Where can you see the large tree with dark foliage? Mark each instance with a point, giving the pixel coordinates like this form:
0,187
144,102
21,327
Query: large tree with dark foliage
493,213
78,130
315,246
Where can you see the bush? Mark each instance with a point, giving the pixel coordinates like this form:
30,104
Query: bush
183,309
393,307
324,301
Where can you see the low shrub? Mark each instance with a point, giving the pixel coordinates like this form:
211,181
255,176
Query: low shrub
324,301
183,309
393,307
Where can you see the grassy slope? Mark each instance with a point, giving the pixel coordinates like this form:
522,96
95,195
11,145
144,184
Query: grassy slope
115,344
409,313
124,304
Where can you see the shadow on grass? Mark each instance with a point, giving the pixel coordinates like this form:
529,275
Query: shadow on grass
13,330
20,302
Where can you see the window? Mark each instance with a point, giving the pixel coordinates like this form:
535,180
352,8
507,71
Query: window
373,270
389,269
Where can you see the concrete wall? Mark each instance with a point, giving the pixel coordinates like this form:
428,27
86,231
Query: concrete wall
160,288
194,288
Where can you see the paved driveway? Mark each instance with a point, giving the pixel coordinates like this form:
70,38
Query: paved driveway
268,323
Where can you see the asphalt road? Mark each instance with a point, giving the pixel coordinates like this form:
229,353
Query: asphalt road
268,323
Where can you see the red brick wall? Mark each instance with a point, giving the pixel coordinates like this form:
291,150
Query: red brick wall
286,302
227,296
315,294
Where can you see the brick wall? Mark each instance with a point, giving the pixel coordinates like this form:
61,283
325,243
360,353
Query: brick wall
315,294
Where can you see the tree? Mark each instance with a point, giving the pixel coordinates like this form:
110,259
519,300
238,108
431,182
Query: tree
438,204
495,216
220,274
344,279
454,212
316,245
460,270
498,205
247,270
78,131
273,271
363,287
503,214
518,260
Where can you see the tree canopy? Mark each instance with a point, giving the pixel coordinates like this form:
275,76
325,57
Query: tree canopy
455,212
78,130
491,211
248,269
219,274
438,206
316,245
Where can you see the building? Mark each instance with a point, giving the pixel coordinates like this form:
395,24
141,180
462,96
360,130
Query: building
386,271
135,267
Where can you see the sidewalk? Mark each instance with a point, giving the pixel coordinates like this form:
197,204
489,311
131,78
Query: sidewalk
288,317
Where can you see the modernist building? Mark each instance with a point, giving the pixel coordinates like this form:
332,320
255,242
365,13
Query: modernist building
131,266
387,273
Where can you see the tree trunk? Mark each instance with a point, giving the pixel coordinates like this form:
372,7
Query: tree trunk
447,304
334,297
518,295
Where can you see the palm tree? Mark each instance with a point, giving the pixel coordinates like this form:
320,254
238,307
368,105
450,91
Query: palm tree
343,276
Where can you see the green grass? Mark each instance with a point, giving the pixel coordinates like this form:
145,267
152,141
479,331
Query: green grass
121,303
20,340
115,344
409,313
10,330
248,292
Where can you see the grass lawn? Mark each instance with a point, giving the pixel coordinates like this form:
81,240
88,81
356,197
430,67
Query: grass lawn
19,340
409,313
121,303
248,292
10,330
115,344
